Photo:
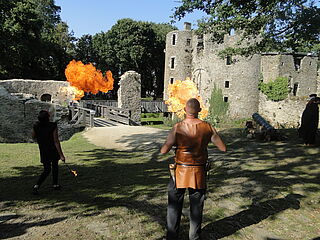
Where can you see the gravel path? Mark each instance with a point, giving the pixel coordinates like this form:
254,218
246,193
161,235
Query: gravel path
125,137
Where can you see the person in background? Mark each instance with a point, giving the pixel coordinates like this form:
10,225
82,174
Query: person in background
309,121
191,138
46,135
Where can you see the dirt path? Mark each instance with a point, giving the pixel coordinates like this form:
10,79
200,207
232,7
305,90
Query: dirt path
124,137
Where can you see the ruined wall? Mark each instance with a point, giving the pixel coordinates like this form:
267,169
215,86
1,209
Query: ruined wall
301,70
286,113
129,95
18,112
38,88
238,77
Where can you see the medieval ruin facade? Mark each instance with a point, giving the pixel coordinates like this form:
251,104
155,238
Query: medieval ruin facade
193,56
21,100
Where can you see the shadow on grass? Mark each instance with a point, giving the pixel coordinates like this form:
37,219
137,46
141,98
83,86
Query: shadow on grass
253,215
137,180
9,230
106,178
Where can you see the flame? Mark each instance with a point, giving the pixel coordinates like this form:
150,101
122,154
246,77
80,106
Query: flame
72,92
179,93
86,78
74,172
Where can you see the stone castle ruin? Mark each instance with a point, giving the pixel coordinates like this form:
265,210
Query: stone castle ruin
21,100
196,56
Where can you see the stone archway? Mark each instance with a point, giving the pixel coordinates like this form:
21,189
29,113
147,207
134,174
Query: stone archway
45,97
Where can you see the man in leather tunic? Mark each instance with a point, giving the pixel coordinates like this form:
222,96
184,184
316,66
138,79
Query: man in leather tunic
191,138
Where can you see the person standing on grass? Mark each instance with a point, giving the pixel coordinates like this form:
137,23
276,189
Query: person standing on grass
46,135
310,121
191,138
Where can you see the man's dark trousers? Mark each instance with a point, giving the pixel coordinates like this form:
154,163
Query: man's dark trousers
175,204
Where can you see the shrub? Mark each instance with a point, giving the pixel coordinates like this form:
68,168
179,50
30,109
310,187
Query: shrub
276,90
218,108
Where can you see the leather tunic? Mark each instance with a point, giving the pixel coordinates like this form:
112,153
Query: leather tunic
191,157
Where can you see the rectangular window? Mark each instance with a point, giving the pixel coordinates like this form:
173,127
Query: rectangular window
297,63
172,63
229,60
295,89
174,36
226,84
188,42
171,80
225,99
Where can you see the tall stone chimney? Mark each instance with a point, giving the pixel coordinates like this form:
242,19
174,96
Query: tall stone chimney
187,26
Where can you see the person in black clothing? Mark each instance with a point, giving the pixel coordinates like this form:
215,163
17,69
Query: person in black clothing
309,121
46,135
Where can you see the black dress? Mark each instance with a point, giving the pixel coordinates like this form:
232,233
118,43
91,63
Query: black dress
309,123
44,136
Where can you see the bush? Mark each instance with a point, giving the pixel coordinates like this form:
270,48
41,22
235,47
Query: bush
276,90
218,108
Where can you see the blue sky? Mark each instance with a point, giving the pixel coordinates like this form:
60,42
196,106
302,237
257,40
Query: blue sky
91,17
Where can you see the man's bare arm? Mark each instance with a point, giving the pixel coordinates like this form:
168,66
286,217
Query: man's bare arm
169,142
216,140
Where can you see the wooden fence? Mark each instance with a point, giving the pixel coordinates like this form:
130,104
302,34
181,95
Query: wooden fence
155,106
110,113
113,113
81,115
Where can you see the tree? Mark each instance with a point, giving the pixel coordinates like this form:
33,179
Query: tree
280,25
134,45
84,50
34,42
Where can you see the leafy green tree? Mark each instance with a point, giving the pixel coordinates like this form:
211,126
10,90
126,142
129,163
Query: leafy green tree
280,25
34,42
84,50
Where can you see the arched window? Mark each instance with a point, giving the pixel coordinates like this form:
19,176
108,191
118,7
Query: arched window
45,97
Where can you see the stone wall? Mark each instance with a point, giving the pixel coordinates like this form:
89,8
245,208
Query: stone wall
301,70
37,88
238,77
286,113
129,95
18,113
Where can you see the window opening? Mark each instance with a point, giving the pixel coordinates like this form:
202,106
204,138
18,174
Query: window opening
229,60
226,84
225,99
174,36
172,63
171,80
295,89
45,97
297,63
188,42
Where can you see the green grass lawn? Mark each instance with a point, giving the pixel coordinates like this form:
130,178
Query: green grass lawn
257,190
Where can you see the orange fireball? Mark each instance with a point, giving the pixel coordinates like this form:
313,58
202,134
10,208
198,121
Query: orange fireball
86,78
179,93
